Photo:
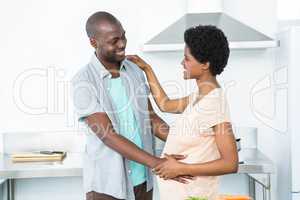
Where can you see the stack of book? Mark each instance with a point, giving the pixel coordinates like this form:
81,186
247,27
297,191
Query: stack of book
42,156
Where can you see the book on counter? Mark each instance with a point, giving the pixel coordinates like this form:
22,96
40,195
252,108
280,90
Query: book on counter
41,156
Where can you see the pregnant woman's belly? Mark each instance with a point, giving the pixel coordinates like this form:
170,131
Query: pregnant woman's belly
198,149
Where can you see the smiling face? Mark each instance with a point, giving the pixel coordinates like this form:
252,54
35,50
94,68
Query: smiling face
110,42
192,68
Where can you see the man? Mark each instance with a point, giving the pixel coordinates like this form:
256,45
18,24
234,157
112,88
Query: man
110,95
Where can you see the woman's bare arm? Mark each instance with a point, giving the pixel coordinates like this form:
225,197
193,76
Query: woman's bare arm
164,103
228,161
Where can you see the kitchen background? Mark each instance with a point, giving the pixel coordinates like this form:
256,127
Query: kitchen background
43,43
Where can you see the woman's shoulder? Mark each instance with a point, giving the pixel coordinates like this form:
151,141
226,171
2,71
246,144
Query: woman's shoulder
213,102
214,109
215,96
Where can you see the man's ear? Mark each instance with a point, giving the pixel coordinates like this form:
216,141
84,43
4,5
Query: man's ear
93,42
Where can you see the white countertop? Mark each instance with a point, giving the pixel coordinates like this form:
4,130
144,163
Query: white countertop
70,166
254,162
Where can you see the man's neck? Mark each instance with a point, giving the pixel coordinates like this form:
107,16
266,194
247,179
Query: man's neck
113,68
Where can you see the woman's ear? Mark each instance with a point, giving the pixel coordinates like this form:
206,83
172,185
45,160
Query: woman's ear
205,66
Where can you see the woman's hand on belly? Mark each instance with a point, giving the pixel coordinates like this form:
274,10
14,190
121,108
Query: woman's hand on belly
169,169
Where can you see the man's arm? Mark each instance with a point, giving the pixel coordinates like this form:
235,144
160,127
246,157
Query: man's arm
159,127
102,127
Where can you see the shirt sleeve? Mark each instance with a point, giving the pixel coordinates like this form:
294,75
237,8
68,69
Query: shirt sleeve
212,111
141,76
85,100
218,115
147,89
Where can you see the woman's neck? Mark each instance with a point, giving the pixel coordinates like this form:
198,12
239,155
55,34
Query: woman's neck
206,84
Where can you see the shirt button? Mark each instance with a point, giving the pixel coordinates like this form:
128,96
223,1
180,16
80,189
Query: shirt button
129,171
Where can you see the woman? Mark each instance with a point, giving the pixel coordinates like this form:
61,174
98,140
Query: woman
203,130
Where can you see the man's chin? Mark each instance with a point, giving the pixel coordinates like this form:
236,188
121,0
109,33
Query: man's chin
120,58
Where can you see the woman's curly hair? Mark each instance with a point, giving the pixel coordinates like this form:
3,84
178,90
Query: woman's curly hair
208,44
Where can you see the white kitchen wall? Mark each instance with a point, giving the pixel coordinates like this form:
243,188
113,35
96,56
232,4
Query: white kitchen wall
47,39
288,9
38,38
261,15
1,143
196,6
1,180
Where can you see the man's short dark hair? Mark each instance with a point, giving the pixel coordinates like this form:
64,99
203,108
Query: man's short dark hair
208,44
97,18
